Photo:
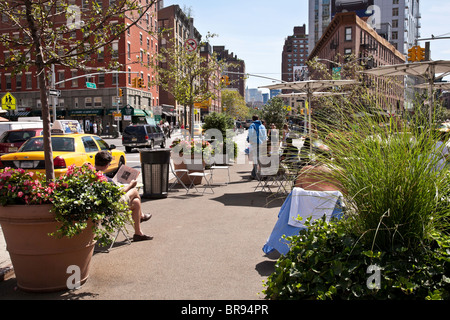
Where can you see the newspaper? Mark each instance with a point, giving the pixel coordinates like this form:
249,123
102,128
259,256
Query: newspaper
126,174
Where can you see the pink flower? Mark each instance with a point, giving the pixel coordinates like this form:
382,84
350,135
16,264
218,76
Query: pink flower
20,194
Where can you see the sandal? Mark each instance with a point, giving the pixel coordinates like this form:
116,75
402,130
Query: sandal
146,217
138,237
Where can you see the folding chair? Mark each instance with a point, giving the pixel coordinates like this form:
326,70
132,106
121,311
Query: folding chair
217,166
198,170
127,239
268,175
178,179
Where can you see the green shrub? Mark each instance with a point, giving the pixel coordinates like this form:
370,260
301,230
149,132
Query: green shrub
328,262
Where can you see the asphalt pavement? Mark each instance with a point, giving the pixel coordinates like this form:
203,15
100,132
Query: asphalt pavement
205,247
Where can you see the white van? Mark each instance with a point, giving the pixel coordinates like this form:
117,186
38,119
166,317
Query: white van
13,125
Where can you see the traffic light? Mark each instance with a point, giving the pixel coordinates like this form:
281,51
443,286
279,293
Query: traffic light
120,93
225,80
134,82
140,83
412,54
420,54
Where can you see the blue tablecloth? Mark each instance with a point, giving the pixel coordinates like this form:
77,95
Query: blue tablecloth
282,227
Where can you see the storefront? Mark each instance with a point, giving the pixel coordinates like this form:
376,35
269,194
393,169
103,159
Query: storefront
90,119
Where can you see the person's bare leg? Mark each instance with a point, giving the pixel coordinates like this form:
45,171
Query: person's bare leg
135,206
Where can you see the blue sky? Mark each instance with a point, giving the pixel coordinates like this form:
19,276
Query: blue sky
255,30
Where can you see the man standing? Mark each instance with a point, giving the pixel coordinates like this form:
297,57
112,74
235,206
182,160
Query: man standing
256,137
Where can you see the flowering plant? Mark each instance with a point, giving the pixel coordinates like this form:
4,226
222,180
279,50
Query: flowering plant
79,196
191,146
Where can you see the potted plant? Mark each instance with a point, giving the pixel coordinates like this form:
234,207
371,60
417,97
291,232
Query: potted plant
52,226
190,151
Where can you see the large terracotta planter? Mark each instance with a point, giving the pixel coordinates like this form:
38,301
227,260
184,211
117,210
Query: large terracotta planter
41,261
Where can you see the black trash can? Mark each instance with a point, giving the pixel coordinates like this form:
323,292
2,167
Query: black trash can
155,172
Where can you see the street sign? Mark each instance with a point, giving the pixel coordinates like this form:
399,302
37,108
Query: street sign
191,45
8,102
54,92
91,85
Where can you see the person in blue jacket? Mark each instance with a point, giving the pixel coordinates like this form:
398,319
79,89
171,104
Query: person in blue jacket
257,135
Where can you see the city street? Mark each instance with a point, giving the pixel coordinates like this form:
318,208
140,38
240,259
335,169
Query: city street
206,247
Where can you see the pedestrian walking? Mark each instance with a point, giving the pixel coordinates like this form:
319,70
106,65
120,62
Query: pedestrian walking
257,135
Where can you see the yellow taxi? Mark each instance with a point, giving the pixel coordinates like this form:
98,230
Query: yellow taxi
198,129
69,147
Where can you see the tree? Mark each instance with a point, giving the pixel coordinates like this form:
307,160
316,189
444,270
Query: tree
46,38
187,75
274,112
234,104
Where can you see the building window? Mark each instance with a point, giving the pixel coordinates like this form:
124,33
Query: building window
29,80
88,102
98,102
395,12
115,49
394,23
74,81
18,81
348,34
394,35
61,78
114,78
129,50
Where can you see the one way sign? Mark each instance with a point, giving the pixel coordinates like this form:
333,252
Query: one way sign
8,102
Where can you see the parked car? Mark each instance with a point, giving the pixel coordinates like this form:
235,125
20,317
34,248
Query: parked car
198,129
11,140
68,149
14,125
143,136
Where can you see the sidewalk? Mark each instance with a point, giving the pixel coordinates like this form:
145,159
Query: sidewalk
206,247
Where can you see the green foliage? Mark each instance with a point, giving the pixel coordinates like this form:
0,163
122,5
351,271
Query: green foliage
84,195
326,261
219,121
397,216
274,112
234,104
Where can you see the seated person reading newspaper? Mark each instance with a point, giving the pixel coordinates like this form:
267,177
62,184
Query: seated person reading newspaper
102,161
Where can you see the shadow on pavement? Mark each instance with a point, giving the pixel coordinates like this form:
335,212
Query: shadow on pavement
249,199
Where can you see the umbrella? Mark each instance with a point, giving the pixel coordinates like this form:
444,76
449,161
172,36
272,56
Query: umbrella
309,87
437,85
426,70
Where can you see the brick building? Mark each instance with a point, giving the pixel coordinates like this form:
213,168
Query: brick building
178,28
348,35
132,51
294,55
235,71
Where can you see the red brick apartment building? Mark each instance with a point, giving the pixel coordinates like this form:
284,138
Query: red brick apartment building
132,51
347,34
295,55
236,69
178,28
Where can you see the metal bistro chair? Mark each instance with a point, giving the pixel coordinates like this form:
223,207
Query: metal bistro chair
178,179
219,166
198,170
268,176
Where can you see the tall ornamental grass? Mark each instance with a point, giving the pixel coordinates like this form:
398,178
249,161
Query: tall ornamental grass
395,192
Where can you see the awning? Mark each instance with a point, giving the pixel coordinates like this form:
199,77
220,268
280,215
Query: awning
139,113
22,114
